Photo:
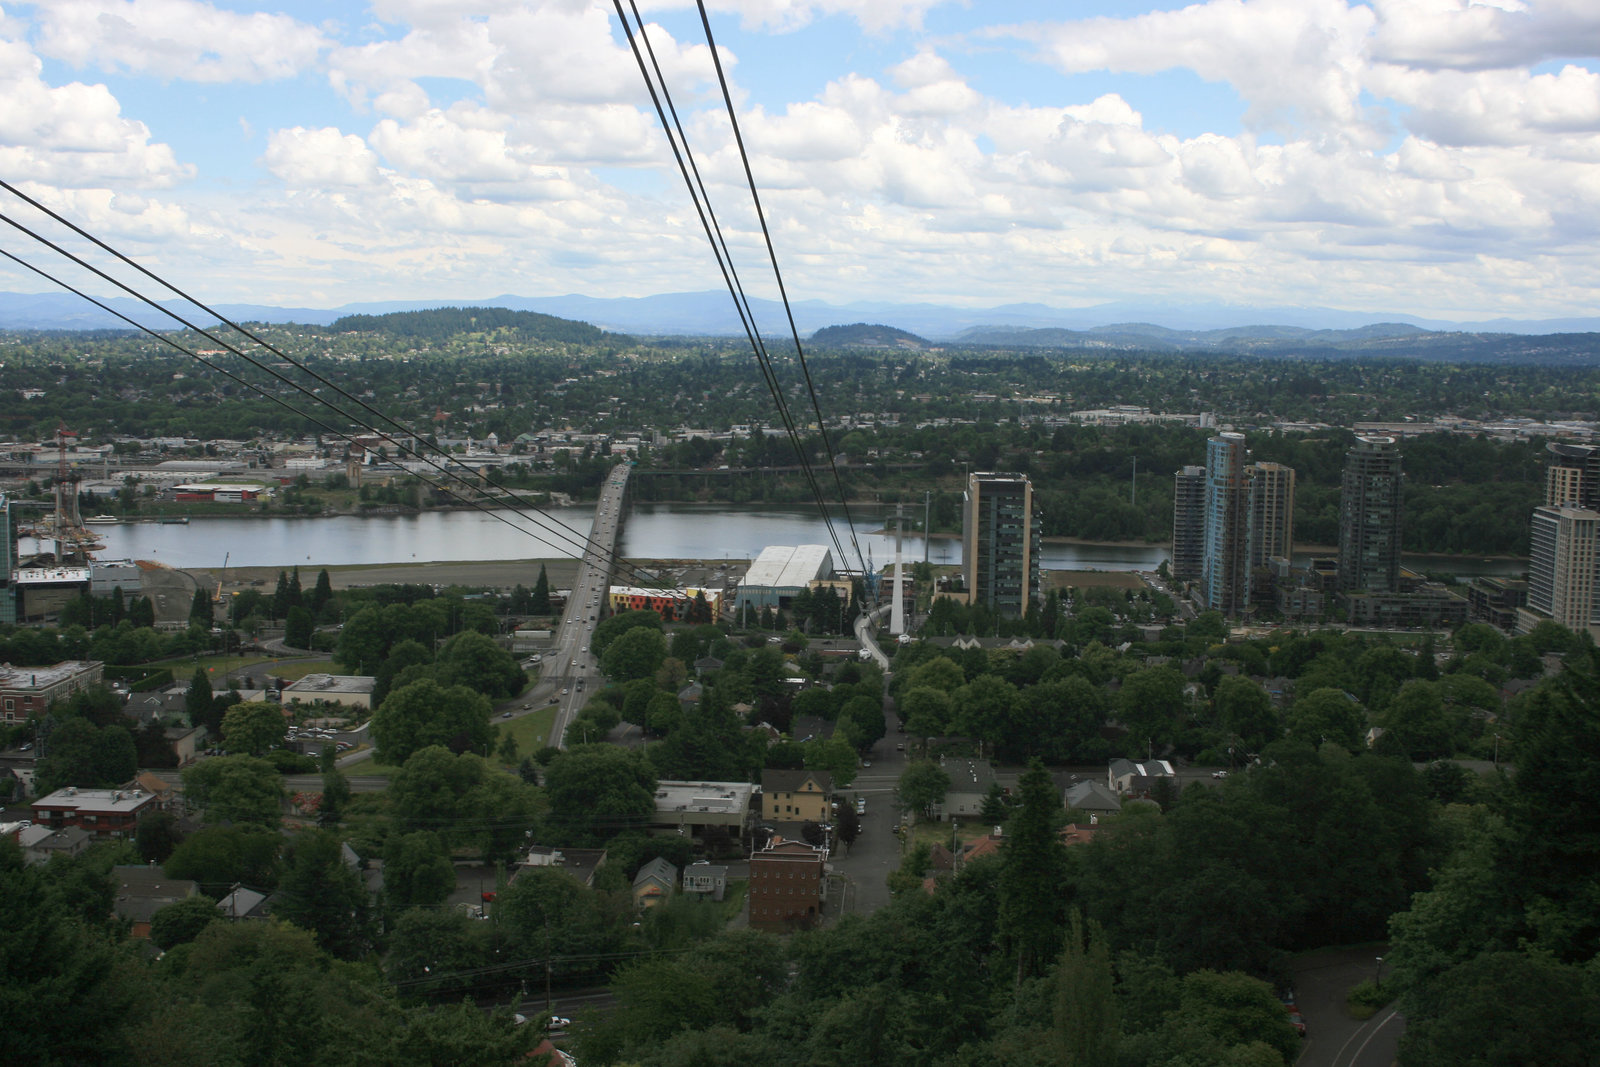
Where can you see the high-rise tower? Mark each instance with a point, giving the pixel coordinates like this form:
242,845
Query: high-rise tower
1225,566
1188,523
1561,565
1001,543
1370,509
1271,524
8,561
1572,478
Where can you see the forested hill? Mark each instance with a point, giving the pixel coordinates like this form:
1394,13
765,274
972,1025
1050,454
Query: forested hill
866,335
1381,340
438,324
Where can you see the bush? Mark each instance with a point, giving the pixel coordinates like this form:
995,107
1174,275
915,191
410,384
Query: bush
1364,1001
288,762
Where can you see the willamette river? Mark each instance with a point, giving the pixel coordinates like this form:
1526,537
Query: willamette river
652,531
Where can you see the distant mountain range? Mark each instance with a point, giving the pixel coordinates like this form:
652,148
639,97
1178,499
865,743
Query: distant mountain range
712,314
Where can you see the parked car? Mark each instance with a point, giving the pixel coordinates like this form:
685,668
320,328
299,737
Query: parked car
861,805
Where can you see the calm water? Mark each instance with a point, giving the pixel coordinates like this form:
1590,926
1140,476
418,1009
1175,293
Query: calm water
652,531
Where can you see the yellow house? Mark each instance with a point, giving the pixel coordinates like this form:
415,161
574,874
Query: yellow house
796,796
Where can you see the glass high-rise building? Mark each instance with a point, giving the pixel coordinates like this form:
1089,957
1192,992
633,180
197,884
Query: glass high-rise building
1188,523
1001,542
1561,565
1370,512
1225,568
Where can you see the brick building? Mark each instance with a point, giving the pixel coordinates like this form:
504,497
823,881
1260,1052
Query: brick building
101,812
26,692
788,883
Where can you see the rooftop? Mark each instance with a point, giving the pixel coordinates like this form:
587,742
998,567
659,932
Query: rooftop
781,565
332,683
704,796
42,677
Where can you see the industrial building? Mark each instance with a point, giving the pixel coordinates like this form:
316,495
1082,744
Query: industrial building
780,574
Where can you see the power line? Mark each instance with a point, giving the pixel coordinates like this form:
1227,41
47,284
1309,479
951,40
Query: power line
706,213
559,529
772,255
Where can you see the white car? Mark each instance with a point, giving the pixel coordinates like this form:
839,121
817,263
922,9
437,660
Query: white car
861,805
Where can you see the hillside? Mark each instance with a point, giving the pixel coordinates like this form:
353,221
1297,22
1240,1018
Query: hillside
866,335
439,323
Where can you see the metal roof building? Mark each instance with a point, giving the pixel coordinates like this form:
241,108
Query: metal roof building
780,573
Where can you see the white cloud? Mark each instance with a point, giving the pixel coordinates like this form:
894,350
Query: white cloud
177,39
320,157
72,135
1472,34
874,16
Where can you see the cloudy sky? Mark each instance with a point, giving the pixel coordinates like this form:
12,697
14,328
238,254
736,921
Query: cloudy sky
1433,157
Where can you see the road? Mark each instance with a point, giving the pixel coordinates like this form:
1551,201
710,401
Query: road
570,662
876,852
1333,1039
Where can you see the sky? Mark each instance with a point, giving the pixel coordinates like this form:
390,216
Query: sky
1426,157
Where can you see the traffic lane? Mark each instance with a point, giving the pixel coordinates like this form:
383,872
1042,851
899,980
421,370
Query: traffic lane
1333,1039
876,851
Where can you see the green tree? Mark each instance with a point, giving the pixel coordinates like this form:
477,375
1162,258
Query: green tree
1151,706
298,627
637,653
424,713
922,785
321,593
182,921
320,892
200,611
417,872
926,710
473,660
335,788
428,947
1245,711
53,965
219,857
239,789
78,753
252,727
1032,872
599,789
1505,1008
1415,720
540,603
1084,1011
197,699
1328,715
157,836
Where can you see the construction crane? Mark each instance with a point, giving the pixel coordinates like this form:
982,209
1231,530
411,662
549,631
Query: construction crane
217,599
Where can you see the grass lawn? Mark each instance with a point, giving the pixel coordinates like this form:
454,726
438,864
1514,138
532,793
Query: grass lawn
370,766
939,832
532,730
261,666
733,895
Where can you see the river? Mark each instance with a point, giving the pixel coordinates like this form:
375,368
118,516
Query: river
652,531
